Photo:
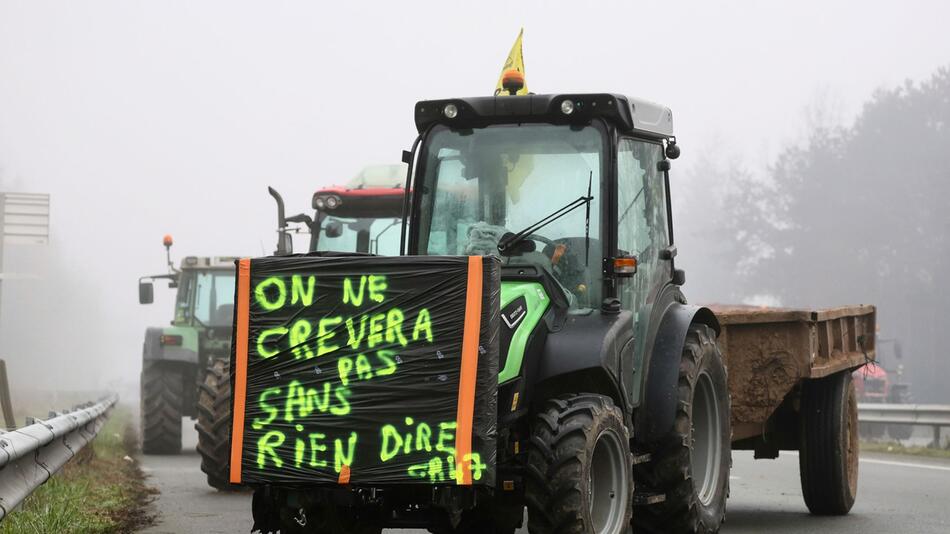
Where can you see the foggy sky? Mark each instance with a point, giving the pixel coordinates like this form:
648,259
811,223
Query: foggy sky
144,118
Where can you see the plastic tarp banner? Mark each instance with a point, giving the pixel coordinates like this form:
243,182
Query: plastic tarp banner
365,370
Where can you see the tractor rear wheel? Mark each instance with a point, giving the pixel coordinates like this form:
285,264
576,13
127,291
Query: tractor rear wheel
213,426
579,477
690,466
828,456
162,399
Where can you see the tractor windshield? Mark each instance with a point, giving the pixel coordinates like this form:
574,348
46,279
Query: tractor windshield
365,234
481,184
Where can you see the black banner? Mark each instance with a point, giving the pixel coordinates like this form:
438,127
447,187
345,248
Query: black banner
365,370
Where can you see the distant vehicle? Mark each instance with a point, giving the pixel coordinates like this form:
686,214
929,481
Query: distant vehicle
185,365
881,383
361,216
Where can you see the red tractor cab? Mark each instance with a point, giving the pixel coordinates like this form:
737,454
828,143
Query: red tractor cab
357,220
361,216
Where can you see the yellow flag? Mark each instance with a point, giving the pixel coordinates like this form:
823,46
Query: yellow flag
515,61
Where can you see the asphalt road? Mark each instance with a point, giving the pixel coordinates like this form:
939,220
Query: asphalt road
896,494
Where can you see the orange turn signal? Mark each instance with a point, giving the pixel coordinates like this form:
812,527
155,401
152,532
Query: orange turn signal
625,266
167,240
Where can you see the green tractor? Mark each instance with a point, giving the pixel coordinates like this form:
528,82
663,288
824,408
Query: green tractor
612,390
193,350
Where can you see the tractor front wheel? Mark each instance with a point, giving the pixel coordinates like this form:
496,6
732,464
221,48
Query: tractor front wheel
162,398
579,477
690,465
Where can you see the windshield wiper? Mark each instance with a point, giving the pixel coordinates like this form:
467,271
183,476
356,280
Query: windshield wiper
509,240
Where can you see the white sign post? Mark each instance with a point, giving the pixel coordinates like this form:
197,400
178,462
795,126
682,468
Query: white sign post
24,220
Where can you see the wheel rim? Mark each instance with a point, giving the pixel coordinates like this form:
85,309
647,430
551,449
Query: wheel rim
607,484
706,455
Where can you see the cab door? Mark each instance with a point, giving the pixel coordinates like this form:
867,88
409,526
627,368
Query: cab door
642,231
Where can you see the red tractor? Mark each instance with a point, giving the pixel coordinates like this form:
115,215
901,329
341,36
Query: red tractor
875,383
361,216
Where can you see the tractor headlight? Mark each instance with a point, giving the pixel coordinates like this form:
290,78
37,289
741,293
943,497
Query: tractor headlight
319,203
333,202
450,111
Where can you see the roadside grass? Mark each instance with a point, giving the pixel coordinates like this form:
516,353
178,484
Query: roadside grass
100,491
892,447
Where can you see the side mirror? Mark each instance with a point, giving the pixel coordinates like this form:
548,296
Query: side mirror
146,292
334,229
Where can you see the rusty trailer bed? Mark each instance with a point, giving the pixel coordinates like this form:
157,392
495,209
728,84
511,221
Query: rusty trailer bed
770,351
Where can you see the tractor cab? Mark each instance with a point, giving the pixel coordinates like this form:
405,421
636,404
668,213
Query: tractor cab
569,191
205,295
356,217
205,290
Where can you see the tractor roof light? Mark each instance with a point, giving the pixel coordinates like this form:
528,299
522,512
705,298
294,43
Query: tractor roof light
333,202
450,111
320,203
513,81
567,107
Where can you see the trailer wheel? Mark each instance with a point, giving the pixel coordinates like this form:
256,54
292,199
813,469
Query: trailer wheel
162,399
690,466
579,478
213,426
828,459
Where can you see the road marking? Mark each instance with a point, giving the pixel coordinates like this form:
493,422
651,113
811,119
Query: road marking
904,464
734,477
892,463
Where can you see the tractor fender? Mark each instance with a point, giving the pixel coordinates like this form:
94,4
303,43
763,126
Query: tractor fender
585,355
186,351
657,410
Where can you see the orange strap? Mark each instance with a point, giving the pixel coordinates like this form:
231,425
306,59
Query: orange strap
344,477
467,375
240,367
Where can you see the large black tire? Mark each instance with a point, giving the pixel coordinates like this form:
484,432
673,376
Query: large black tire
690,465
828,456
213,426
579,475
162,399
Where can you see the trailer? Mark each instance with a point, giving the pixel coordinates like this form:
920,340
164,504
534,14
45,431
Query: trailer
791,389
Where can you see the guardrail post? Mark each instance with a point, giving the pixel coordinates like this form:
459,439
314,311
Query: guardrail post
5,404
937,443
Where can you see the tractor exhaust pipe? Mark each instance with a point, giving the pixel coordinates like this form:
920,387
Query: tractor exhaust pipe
285,244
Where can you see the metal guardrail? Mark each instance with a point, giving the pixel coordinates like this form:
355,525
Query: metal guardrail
932,415
29,456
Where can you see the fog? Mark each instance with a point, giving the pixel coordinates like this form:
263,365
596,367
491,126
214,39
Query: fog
145,118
